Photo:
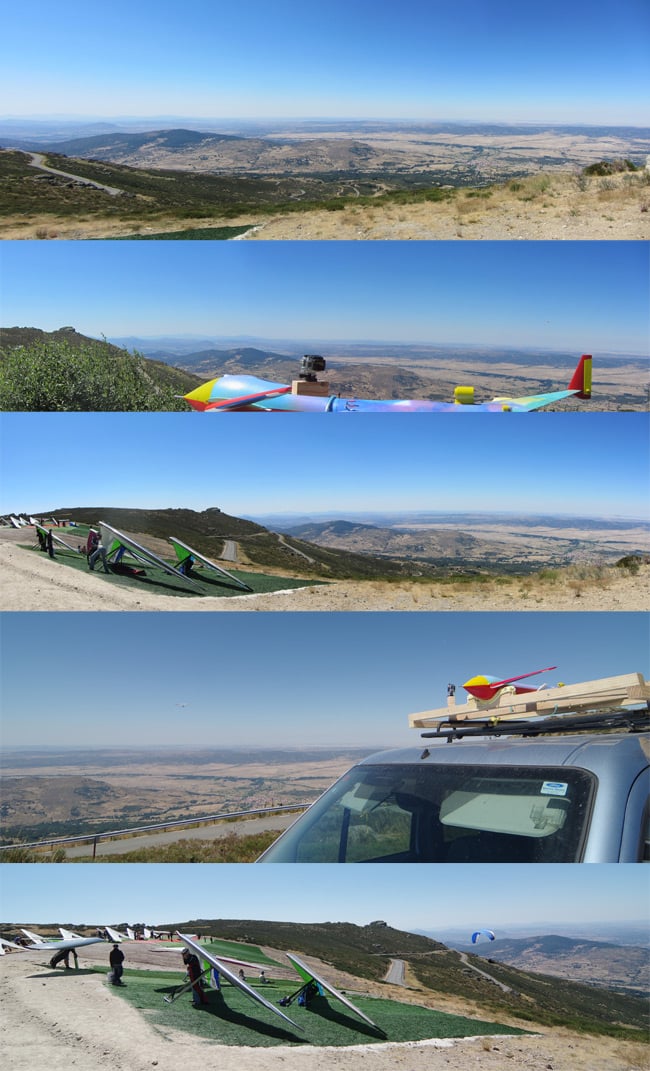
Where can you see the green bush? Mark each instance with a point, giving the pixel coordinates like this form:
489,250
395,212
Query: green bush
54,376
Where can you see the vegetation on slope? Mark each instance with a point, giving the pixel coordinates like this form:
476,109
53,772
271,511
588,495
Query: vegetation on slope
63,371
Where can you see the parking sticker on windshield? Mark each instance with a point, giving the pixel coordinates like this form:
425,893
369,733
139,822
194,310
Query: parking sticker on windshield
554,788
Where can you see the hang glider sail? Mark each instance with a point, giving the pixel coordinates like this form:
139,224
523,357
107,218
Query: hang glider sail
240,393
220,966
38,944
308,974
114,541
47,534
186,557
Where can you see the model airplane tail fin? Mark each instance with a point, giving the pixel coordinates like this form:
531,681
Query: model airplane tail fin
581,381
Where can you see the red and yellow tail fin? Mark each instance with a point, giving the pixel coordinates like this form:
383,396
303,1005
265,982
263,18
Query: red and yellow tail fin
581,381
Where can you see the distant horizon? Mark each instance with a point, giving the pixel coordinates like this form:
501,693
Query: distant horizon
585,297
586,465
398,120
303,893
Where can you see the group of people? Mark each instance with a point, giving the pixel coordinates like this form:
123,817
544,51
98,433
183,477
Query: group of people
116,960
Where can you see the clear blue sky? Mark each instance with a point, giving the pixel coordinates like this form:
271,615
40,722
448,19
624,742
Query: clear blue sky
330,679
448,895
590,297
592,464
502,60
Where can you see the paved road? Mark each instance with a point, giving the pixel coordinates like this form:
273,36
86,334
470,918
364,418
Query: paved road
295,550
464,959
396,973
229,552
38,161
154,840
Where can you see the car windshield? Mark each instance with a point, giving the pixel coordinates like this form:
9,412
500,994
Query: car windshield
444,814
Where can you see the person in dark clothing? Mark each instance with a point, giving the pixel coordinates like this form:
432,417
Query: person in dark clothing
194,974
116,960
63,955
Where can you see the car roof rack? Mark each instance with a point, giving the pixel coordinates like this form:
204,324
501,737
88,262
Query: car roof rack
609,703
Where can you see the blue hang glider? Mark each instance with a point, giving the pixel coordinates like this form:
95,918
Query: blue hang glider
242,393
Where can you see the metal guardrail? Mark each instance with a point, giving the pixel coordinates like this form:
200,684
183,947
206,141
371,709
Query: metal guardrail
93,838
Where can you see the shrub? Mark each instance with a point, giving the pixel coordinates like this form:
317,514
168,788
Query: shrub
56,376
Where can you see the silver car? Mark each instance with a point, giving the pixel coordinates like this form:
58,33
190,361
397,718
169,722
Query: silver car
506,799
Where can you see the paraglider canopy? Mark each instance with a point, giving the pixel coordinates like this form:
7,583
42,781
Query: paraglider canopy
487,934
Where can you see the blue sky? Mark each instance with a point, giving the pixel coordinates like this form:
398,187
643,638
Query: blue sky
364,675
593,464
584,296
446,895
502,60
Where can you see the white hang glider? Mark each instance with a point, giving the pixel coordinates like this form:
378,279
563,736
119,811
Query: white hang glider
115,541
308,974
219,965
69,944
187,556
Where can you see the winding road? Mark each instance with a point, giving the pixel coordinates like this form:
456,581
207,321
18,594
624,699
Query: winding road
37,160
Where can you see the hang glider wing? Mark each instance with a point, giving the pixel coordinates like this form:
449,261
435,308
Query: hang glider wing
40,945
183,553
47,533
115,935
68,935
309,975
234,979
4,945
113,540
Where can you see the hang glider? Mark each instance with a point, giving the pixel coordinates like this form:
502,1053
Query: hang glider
45,534
4,945
487,688
39,944
241,393
186,557
220,966
115,541
308,974
117,937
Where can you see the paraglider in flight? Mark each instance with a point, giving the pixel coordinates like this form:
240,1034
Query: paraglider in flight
487,934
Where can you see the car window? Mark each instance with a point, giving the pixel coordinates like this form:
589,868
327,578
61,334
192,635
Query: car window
456,813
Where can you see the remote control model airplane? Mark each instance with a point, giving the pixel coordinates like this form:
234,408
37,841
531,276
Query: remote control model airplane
241,393
487,688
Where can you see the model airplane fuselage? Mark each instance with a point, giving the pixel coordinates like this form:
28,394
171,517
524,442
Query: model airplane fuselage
487,688
242,393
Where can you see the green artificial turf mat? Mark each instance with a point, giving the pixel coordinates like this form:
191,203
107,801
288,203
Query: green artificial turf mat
232,1018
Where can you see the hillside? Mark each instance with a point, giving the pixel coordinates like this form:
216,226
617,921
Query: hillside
562,205
64,370
365,952
256,546
617,967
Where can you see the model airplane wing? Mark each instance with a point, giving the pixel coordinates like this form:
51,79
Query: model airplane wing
234,979
231,393
523,676
309,975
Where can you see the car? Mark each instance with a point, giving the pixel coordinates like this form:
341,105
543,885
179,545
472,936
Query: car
515,792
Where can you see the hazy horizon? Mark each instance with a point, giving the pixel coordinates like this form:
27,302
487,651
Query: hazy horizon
305,893
502,59
584,297
586,464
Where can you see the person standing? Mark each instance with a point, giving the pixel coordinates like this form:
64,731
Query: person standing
116,960
194,974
